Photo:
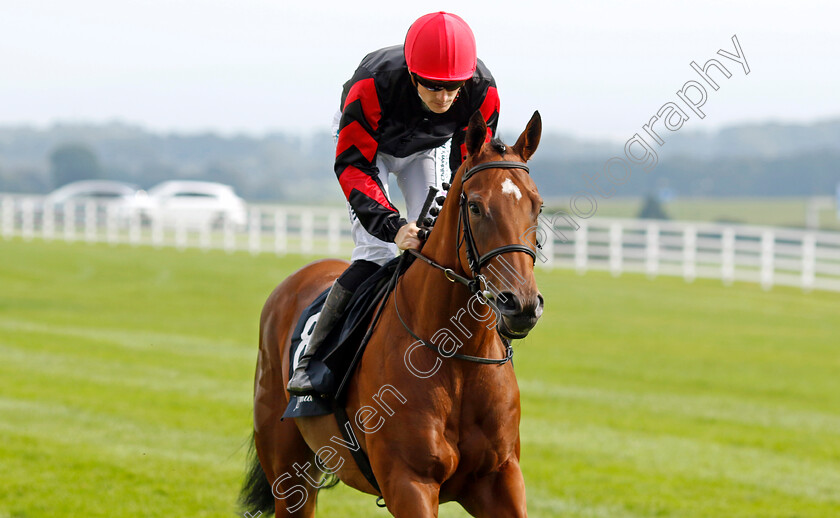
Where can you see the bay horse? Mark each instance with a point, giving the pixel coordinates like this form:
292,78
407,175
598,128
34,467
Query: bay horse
438,423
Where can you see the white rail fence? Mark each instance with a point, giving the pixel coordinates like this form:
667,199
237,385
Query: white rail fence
765,255
269,228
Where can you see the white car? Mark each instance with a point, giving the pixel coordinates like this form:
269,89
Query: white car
96,190
124,196
194,205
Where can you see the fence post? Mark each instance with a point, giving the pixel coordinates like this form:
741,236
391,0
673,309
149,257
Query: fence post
204,235
48,222
254,231
581,248
27,216
180,234
134,228
7,213
727,259
90,221
652,250
157,231
280,238
767,259
230,237
616,252
689,253
111,223
809,259
68,221
334,232
306,231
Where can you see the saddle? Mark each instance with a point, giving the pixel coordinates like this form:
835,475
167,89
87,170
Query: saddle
335,361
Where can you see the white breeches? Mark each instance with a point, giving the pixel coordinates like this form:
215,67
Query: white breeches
415,174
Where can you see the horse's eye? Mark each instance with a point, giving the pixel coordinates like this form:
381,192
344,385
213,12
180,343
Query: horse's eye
474,208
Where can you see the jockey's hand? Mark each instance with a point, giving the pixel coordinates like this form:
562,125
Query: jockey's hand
407,237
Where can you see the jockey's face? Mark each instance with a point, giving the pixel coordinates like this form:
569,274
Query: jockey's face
437,101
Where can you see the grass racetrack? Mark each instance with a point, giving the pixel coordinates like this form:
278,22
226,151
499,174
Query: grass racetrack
126,379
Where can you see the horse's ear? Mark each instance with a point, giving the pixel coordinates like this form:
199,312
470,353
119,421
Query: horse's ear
527,143
476,133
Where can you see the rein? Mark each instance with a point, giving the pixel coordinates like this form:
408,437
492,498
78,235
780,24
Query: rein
476,262
435,348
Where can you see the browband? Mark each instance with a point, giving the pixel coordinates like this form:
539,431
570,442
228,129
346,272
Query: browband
502,164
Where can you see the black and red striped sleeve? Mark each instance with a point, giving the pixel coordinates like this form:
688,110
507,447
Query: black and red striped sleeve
355,159
489,108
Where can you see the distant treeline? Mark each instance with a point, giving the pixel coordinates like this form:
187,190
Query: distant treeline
748,160
810,173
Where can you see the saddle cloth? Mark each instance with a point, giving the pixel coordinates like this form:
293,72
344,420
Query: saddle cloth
334,360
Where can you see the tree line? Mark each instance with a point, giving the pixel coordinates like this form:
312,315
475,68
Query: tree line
748,160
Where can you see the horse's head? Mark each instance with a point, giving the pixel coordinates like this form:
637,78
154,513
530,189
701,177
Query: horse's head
499,206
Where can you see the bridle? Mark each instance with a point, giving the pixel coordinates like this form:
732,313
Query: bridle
474,258
475,261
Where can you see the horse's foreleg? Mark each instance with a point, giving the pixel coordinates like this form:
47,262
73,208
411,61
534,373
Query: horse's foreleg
409,497
497,495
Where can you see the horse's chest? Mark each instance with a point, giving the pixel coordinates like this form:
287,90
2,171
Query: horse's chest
489,431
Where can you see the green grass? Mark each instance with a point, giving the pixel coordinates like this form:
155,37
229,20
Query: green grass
126,375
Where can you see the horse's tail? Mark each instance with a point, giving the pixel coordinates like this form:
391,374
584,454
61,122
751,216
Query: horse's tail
256,494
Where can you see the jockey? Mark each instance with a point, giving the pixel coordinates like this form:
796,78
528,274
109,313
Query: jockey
404,112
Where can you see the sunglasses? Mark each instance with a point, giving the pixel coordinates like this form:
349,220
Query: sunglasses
437,86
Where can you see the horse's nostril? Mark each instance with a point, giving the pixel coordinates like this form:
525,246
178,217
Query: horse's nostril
508,303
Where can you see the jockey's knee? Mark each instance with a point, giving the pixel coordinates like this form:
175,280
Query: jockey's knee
356,273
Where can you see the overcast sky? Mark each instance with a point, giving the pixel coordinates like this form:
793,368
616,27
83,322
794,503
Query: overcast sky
591,68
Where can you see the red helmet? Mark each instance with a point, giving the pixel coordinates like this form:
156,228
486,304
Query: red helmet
440,46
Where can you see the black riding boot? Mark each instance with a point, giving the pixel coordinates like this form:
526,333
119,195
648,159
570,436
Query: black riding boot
334,306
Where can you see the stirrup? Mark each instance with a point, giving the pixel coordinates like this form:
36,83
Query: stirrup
300,384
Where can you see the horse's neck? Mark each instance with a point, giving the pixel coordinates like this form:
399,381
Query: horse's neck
444,312
445,309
